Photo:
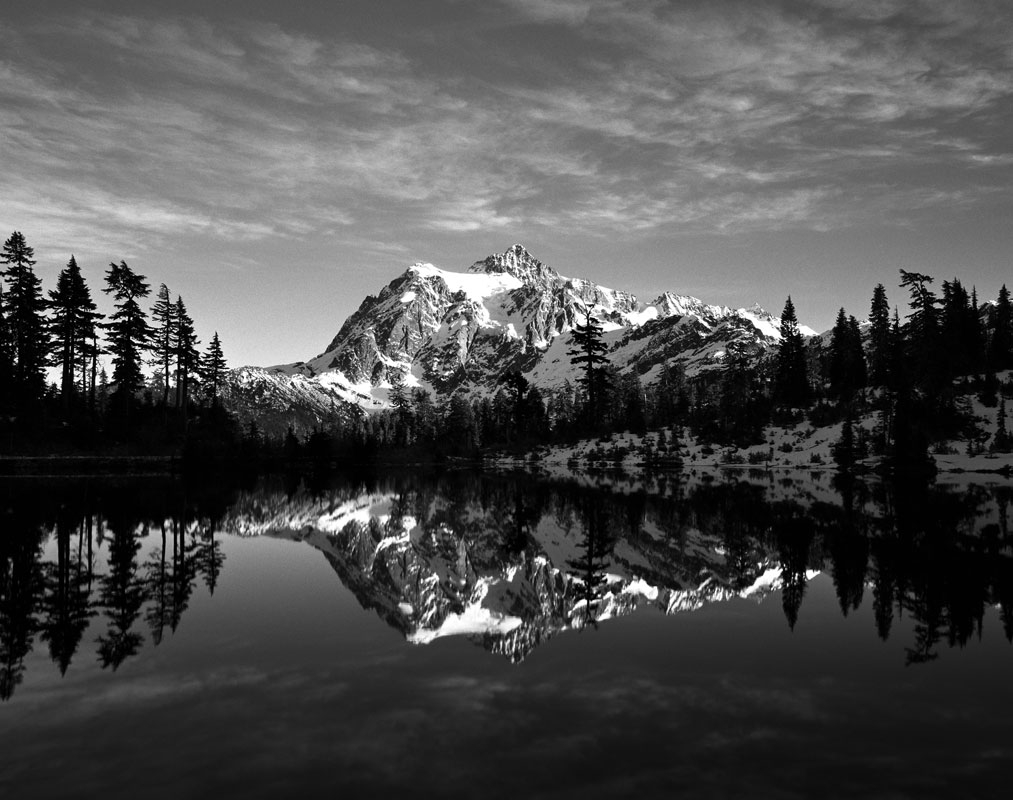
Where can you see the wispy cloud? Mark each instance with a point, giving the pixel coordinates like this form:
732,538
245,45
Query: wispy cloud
704,117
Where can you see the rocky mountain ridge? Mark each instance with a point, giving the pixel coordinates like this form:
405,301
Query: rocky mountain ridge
451,331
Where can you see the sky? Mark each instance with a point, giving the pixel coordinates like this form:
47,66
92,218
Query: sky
274,163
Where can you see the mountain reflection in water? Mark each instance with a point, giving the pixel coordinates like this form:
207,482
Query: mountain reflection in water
507,561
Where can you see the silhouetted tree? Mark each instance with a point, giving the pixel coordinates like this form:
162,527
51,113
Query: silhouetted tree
24,311
847,361
792,386
879,337
72,326
128,331
1001,342
187,355
213,368
163,314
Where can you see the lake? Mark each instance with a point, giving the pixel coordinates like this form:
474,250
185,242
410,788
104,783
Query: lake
497,635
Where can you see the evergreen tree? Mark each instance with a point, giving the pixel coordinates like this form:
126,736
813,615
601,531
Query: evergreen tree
401,402
424,413
879,337
1002,332
588,352
1001,442
461,429
213,368
129,333
72,325
792,386
187,355
517,386
844,449
163,314
923,330
960,331
24,309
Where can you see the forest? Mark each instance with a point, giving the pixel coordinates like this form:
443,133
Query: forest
909,373
175,410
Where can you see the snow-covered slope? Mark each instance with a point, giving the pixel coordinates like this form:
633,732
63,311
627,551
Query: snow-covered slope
431,567
448,330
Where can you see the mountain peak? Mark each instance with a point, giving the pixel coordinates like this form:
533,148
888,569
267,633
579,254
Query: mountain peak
516,261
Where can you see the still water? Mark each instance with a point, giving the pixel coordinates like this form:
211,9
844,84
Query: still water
477,635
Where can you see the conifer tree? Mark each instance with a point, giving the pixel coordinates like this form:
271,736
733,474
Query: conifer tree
401,403
187,355
74,317
923,330
1001,442
792,387
844,449
24,309
1002,332
879,337
128,331
163,314
588,352
213,368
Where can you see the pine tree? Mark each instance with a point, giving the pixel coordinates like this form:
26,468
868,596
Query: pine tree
129,333
461,429
792,386
1002,332
163,314
213,368
186,353
1001,442
400,402
73,322
844,450
26,323
923,330
588,352
879,337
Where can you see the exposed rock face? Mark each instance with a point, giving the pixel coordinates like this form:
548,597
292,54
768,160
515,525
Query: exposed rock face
449,331
489,569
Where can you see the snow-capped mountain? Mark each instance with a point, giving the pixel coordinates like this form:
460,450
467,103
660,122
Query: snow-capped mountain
486,569
464,330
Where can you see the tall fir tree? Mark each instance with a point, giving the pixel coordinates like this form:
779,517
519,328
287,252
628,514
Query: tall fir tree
74,317
24,309
923,334
187,355
129,334
588,353
879,337
163,315
213,368
1001,342
792,381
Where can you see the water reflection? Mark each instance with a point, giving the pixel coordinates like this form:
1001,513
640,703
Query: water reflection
75,558
506,561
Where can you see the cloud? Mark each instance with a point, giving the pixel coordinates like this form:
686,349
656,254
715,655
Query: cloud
717,117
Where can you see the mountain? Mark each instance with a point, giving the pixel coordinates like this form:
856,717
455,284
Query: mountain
450,331
490,567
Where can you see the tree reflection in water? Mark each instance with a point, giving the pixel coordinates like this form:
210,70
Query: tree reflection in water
118,563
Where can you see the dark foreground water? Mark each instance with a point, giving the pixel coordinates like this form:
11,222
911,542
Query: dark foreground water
487,636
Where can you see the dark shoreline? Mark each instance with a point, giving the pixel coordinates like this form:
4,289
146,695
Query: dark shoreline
87,465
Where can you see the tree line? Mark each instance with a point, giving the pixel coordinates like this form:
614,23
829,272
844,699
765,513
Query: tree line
88,408
908,373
